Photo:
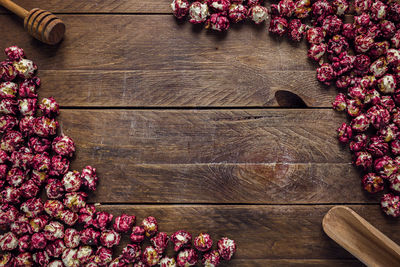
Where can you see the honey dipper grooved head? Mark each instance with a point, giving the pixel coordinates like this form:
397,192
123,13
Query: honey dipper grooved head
44,26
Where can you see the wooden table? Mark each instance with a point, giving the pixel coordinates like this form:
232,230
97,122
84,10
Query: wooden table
183,124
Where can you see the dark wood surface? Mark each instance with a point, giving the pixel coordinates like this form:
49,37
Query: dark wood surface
183,125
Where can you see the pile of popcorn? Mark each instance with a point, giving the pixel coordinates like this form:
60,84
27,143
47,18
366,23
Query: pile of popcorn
361,58
58,228
218,14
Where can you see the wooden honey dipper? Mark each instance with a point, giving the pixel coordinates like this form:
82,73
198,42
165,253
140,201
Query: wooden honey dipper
41,24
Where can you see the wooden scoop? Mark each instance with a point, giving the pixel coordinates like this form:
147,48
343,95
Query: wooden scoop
41,24
360,238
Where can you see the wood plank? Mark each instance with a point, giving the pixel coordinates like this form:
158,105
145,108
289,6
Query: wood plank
156,43
95,6
211,156
290,263
208,136
261,232
181,88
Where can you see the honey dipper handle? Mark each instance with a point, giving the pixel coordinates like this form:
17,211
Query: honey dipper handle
13,7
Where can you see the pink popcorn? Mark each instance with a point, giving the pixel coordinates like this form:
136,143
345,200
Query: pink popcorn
25,68
394,180
21,226
38,177
45,127
150,256
211,258
54,189
361,64
24,243
41,258
7,71
11,140
363,43
278,26
130,253
32,207
56,263
363,160
337,44
90,236
302,9
258,14
29,189
53,230
237,13
160,242
109,238
8,90
27,106
14,53
340,7
22,259
69,217
181,239
8,241
395,147
72,181
389,132
390,204
8,214
395,40
361,6
70,257
186,257
342,63
89,178
54,208
167,262
150,226
75,201
198,12
64,146
387,28
124,223
138,234
26,125
3,172
38,241
84,254
59,166
377,147
104,255
340,102
49,107
102,219
22,158
28,87
325,73
72,238
219,6
394,12
180,8
203,242
218,22
317,51
296,30
41,162
332,25
38,223
10,195
86,215
7,122
387,84
226,248
15,177
385,166
379,67
379,116
358,143
379,49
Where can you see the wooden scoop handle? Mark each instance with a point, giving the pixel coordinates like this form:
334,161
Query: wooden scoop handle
13,7
360,238
41,24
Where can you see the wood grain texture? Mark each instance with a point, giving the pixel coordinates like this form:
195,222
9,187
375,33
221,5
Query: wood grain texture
181,88
156,43
96,6
212,156
209,136
261,232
